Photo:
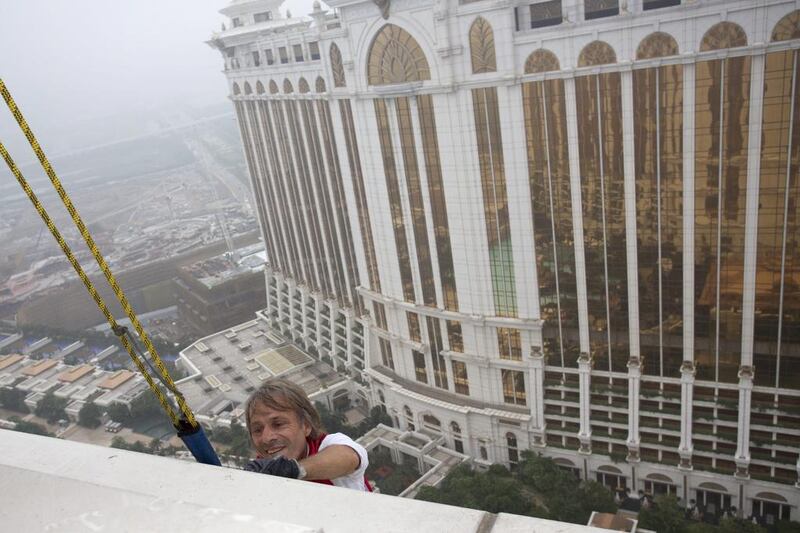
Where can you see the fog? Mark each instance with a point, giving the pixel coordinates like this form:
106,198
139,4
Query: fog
87,71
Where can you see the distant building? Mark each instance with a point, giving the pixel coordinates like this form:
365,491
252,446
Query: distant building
566,225
220,292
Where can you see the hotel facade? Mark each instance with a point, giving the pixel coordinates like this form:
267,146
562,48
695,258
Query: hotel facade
568,226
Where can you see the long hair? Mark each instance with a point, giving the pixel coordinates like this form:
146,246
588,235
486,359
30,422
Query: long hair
283,395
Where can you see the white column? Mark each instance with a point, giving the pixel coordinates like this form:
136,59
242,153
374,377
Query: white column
537,397
687,390
688,213
634,362
743,436
584,375
577,214
751,216
630,212
634,382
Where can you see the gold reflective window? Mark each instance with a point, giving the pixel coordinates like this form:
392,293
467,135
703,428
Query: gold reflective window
460,378
657,44
723,35
436,345
413,326
481,46
541,61
596,53
337,67
395,204
509,344
513,387
599,106
544,107
420,372
454,336
777,297
722,105
787,28
658,149
395,57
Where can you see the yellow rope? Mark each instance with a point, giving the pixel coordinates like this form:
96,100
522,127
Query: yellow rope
167,379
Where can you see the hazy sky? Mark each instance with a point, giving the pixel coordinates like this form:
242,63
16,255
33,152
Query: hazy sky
68,61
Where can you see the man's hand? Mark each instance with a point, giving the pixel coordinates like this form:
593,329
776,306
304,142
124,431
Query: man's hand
280,466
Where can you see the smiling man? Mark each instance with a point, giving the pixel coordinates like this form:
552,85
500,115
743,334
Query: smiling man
286,433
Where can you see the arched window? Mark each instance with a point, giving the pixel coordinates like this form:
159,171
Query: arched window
287,87
541,60
787,28
395,57
432,423
513,451
302,86
596,53
320,85
236,89
337,67
723,35
409,418
259,88
247,88
659,484
481,46
381,397
273,87
657,44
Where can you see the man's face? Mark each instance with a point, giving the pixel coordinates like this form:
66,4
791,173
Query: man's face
278,432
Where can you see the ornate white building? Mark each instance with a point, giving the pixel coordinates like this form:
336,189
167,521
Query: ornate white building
568,226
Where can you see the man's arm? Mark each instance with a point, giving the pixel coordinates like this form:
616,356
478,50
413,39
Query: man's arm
332,462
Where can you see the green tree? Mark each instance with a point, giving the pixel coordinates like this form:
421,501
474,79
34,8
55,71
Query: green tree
51,408
332,421
495,491
89,415
700,527
29,427
376,416
785,526
664,516
119,412
737,525
13,400
145,407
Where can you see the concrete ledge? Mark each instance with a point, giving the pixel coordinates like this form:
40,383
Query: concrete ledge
57,485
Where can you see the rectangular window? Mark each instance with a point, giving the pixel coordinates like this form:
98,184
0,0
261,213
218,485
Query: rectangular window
454,336
386,353
298,53
513,387
435,341
546,14
313,50
419,366
657,4
413,327
269,57
510,344
256,59
262,17
283,55
597,9
460,378
237,22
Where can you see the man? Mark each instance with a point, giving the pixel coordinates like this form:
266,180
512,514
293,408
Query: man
285,430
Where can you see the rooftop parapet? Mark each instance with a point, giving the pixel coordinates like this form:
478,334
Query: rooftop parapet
91,488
